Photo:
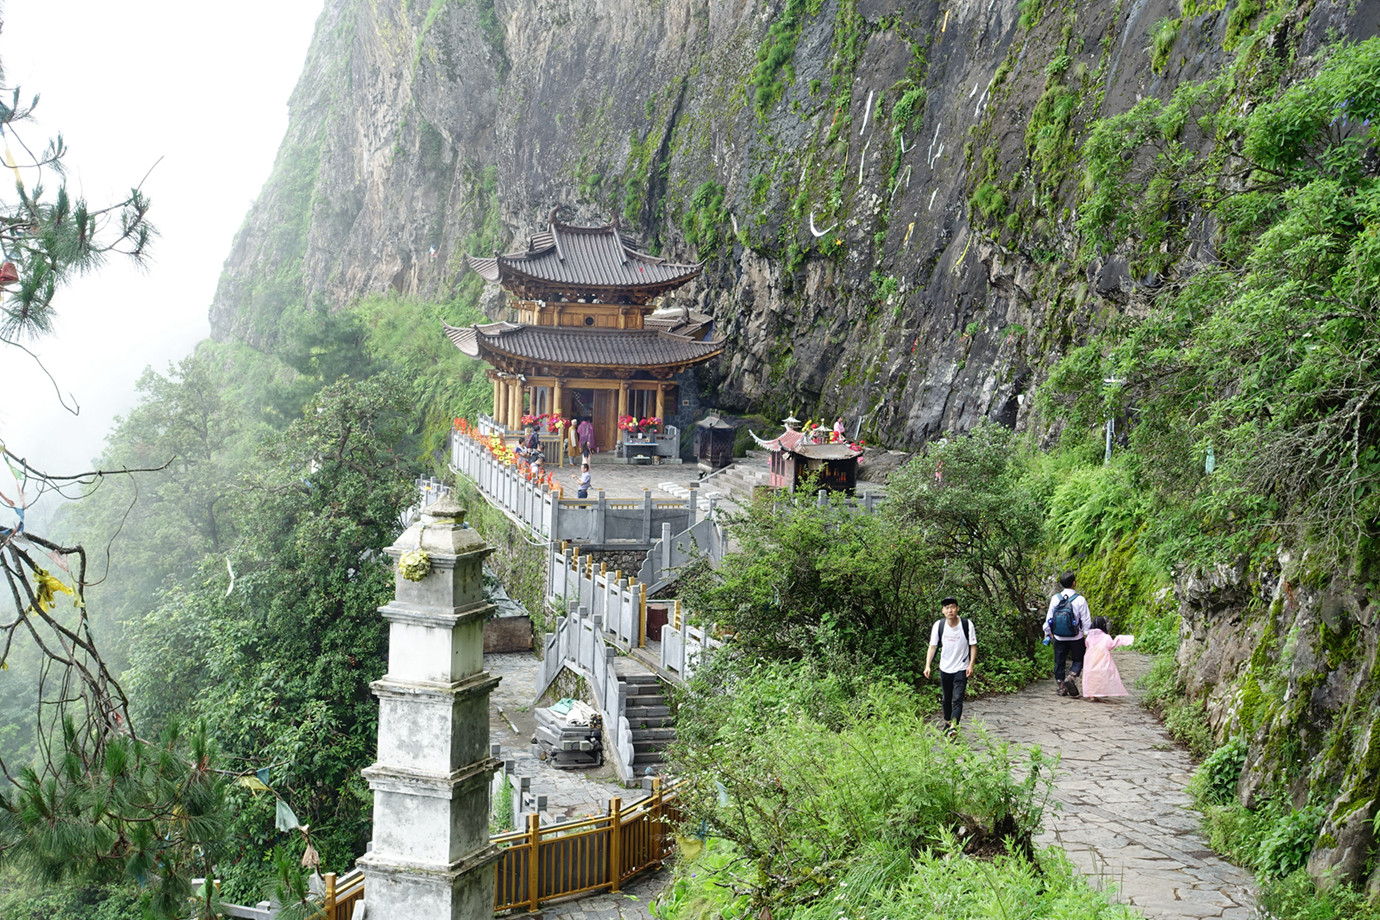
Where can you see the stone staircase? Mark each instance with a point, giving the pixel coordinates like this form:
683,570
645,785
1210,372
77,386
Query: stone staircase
736,481
649,717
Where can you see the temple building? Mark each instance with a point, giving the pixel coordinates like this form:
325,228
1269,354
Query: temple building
582,341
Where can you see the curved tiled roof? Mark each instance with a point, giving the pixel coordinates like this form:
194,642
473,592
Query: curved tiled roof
584,257
795,442
638,348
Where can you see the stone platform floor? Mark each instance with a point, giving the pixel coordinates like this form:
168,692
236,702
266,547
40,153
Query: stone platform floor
1123,815
571,794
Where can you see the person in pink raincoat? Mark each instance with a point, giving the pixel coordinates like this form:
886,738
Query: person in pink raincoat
1100,677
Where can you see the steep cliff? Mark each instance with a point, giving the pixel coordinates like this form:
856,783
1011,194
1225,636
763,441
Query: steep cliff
886,195
737,132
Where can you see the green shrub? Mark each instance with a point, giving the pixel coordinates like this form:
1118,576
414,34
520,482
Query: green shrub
1298,897
704,218
1214,782
808,774
989,200
1239,22
1030,11
1162,38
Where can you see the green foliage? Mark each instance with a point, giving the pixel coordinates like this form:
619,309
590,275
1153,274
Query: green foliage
1049,137
1239,21
815,779
908,107
1030,13
968,501
989,200
774,70
50,240
1162,38
705,218
404,335
1214,782
1265,357
147,815
279,665
1298,897
1274,840
822,584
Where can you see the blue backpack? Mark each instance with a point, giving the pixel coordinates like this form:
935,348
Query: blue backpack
1063,623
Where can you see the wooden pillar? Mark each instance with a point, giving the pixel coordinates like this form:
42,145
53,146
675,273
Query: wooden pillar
533,862
558,399
514,403
615,843
498,400
622,399
661,401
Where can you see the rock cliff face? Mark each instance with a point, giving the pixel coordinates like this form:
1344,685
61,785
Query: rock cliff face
885,194
821,155
1287,657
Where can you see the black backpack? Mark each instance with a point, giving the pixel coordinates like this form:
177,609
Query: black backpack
1063,623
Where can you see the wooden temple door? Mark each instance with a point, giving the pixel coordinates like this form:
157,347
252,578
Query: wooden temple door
606,419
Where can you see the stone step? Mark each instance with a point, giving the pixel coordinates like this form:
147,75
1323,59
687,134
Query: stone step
638,714
651,724
643,758
646,699
641,749
653,734
641,679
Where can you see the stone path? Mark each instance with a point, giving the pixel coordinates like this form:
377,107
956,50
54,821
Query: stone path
1125,819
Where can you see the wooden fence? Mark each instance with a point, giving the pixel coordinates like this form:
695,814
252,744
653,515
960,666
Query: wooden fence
542,864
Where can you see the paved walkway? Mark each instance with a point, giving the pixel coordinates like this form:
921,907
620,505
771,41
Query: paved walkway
1125,818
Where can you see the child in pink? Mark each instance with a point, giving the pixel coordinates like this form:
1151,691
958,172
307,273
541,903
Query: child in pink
1100,677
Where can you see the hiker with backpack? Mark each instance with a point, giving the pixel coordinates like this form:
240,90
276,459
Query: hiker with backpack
1066,626
959,642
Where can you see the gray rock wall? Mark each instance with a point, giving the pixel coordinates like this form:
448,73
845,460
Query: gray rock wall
417,125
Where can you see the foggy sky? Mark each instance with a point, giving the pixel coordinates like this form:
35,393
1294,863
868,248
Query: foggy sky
201,91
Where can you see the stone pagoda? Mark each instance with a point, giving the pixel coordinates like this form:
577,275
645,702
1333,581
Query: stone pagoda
431,857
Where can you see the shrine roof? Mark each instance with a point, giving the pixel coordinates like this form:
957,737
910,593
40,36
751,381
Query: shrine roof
586,257
640,348
798,442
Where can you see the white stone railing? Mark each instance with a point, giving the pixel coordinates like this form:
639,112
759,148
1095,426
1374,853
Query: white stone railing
550,516
705,539
578,643
683,647
620,603
620,606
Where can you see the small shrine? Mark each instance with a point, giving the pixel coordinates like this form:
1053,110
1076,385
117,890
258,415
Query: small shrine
800,453
582,342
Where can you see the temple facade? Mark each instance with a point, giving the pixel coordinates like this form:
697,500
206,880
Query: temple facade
582,341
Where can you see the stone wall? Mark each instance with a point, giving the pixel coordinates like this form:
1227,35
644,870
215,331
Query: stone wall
1286,657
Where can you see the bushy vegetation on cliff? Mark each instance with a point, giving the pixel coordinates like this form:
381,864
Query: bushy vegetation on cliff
1249,387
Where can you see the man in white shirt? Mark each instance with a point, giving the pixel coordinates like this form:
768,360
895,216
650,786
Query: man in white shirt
959,641
1066,625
